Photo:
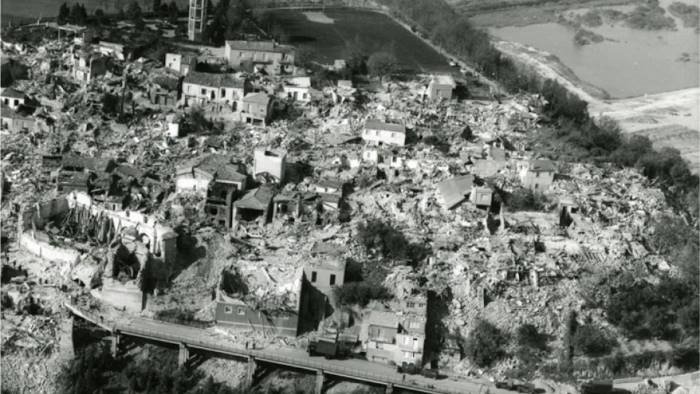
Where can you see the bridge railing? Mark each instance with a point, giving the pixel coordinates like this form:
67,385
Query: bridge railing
267,356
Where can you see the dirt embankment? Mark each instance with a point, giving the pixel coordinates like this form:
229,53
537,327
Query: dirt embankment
669,119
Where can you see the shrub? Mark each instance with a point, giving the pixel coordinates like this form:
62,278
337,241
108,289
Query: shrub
592,341
389,241
528,335
484,345
360,293
524,199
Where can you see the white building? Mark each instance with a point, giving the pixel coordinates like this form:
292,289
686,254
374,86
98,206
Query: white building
270,162
298,88
201,88
380,133
12,98
181,64
537,175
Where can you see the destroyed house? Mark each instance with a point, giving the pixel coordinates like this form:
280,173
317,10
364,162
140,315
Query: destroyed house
78,173
397,335
454,191
380,133
164,91
201,88
218,179
181,64
256,108
481,196
297,89
324,272
441,87
12,98
270,301
86,66
380,334
18,120
294,204
255,205
328,186
266,56
268,161
537,175
487,168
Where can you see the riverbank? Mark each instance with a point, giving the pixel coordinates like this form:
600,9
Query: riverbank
669,119
523,13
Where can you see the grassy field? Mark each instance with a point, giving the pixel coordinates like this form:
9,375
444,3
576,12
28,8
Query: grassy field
375,31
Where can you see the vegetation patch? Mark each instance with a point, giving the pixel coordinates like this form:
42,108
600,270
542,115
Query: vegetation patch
688,13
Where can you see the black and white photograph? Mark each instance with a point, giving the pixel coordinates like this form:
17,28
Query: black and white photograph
350,196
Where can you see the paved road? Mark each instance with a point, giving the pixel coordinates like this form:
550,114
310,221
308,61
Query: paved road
353,369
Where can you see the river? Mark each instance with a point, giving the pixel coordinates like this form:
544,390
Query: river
628,63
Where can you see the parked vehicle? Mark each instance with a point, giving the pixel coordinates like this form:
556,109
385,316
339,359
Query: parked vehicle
516,385
597,387
328,348
411,369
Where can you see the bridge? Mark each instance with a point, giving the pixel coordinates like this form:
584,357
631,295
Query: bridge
191,340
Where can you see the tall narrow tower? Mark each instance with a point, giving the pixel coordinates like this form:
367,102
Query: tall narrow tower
197,19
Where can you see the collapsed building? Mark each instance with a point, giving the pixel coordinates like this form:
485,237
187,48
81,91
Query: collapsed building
141,251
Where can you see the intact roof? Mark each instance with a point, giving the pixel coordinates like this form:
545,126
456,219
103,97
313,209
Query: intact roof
299,82
218,166
214,80
374,124
260,46
258,198
542,165
257,98
444,80
12,93
383,319
455,190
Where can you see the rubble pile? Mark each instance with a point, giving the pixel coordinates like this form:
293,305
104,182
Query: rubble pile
150,199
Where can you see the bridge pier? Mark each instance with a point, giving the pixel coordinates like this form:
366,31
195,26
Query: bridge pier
250,372
389,388
319,382
183,355
116,339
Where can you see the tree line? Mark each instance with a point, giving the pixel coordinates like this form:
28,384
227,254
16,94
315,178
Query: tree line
77,14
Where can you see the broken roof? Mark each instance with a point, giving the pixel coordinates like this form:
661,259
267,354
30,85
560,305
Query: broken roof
22,112
327,262
542,165
383,319
258,198
166,82
455,190
487,168
374,124
257,98
258,46
214,80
